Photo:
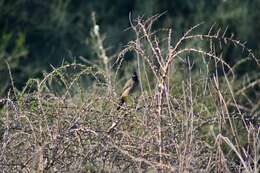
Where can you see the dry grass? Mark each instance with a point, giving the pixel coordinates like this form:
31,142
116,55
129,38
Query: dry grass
193,123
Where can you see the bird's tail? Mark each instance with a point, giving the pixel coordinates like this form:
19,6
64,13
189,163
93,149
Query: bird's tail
122,101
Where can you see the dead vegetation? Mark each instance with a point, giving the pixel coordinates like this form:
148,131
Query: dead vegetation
193,123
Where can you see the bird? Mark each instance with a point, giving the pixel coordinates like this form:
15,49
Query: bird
129,87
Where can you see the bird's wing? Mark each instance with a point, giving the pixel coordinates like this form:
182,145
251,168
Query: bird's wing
128,84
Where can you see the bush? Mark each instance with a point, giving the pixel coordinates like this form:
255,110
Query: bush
185,117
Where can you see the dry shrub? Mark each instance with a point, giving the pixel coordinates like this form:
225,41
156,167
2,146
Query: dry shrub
193,123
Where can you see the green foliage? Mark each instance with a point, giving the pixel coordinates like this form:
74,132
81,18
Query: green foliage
12,50
54,31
